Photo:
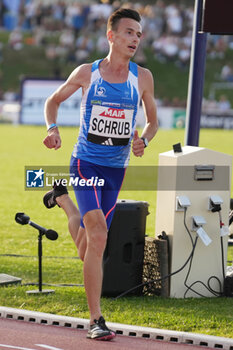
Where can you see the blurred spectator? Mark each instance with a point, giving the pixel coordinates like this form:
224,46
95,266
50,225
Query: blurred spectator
166,48
67,38
98,11
84,46
72,30
209,105
223,104
167,26
30,10
2,12
72,10
39,35
170,48
79,19
16,39
174,19
153,23
227,72
10,96
189,17
58,11
102,45
176,102
183,56
51,52
216,46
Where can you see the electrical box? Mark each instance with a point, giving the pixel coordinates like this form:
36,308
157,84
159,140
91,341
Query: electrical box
188,183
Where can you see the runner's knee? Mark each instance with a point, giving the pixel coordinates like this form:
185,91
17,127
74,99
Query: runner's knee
96,229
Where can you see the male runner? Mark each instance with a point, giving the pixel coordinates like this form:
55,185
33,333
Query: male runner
111,93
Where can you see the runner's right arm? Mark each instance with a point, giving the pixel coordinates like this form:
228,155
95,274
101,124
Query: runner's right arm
78,78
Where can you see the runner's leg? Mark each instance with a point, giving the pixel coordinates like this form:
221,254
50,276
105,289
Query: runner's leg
96,231
73,215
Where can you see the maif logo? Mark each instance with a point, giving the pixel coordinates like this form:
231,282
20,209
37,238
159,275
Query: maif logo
113,113
35,178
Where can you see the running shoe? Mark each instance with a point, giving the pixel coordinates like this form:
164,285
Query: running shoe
50,197
99,330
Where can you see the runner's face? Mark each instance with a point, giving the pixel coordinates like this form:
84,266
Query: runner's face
127,37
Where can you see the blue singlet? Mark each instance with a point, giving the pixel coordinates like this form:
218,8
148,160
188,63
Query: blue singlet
108,119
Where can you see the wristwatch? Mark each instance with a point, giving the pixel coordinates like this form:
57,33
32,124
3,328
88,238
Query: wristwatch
146,142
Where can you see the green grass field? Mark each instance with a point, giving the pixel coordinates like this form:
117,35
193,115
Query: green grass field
22,146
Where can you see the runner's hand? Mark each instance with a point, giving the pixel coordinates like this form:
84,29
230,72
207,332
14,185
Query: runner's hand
53,139
138,145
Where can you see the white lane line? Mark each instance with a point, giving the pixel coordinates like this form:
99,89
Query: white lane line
14,347
48,347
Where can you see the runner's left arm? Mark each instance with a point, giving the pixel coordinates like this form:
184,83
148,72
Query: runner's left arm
150,112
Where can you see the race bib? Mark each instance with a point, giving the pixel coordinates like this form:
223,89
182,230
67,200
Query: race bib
110,126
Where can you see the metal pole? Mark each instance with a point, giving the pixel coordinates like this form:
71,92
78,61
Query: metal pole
196,80
40,259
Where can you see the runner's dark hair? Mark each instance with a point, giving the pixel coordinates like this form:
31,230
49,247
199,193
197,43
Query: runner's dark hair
119,14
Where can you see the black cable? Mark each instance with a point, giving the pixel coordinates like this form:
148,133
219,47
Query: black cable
165,277
217,294
222,250
208,286
191,260
221,293
190,265
185,225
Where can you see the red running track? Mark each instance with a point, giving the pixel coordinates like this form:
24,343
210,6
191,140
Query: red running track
21,335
